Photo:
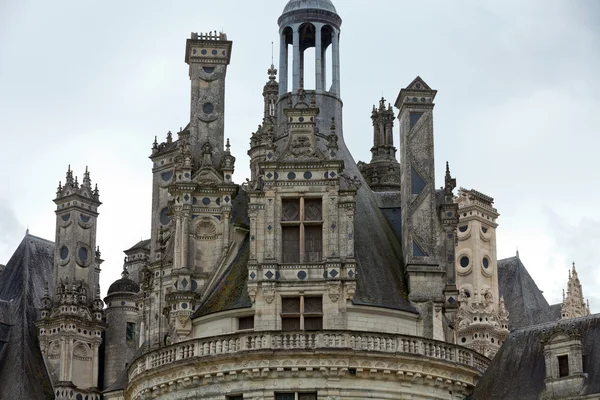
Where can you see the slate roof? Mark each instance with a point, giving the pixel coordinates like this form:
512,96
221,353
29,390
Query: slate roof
518,370
141,245
232,290
523,299
22,370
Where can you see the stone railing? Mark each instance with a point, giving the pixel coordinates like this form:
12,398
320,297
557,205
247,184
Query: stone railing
322,340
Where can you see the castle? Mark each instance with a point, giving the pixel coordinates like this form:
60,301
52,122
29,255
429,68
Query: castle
318,278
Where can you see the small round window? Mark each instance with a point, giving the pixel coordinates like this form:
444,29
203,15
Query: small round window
208,108
484,229
485,262
463,228
464,261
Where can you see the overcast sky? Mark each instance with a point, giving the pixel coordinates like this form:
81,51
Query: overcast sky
517,113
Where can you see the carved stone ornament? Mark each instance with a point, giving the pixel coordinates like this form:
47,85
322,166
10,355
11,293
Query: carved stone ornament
334,291
301,147
252,291
268,293
350,290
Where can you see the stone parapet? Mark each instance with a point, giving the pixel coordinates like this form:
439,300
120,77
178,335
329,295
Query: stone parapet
407,360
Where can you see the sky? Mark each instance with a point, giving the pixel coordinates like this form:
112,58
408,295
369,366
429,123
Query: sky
90,83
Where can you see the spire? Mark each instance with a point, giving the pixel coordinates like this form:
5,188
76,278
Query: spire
87,182
574,304
69,177
125,273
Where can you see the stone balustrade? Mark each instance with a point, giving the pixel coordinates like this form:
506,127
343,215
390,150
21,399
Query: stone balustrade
321,340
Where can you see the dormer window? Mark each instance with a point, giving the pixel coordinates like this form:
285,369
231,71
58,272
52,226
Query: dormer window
301,230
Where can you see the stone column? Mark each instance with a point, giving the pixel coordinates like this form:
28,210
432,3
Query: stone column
296,70
283,65
335,54
318,58
185,239
95,361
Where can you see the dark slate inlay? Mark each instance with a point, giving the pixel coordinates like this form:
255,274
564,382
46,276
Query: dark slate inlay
269,274
204,51
184,283
187,174
333,227
269,228
166,176
276,175
485,262
64,252
270,155
184,306
302,275
194,200
218,201
214,52
227,199
228,177
252,275
415,116
418,251
333,273
186,198
165,216
464,261
291,175
351,273
277,275
123,303
307,175
451,300
206,201
194,285
332,174
252,237
83,254
269,175
208,108
417,183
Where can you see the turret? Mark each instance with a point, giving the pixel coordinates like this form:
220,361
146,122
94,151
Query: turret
482,320
383,172
123,330
71,324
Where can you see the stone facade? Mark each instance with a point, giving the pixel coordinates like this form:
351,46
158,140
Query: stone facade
318,278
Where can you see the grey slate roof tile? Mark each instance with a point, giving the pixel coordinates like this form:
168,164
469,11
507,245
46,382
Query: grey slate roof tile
22,369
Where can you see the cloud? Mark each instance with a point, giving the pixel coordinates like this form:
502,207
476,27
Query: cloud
11,231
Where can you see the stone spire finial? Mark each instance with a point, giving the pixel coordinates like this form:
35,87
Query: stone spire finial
574,305
227,146
125,273
69,178
169,137
87,182
449,180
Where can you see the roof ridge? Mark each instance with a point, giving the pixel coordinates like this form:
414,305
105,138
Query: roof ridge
38,238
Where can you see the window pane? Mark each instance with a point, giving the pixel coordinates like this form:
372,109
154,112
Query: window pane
290,305
246,322
290,324
291,244
313,323
312,210
285,396
290,210
313,243
307,396
313,305
563,366
130,334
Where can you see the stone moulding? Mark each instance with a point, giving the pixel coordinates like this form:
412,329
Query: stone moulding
323,354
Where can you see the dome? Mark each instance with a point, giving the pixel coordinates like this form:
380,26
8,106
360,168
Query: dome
294,5
124,285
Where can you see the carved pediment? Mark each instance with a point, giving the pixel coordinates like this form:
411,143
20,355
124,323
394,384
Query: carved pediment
207,176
